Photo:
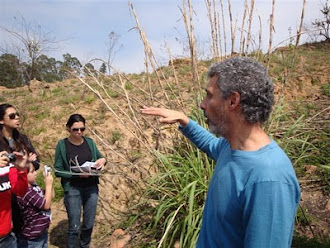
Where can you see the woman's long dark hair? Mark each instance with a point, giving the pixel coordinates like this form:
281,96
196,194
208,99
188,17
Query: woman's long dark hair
19,142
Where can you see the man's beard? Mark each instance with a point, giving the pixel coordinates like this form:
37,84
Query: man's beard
219,129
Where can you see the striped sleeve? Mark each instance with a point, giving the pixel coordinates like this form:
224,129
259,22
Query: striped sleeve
34,199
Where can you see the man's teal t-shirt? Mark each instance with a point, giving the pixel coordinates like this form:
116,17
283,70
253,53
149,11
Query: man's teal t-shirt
252,197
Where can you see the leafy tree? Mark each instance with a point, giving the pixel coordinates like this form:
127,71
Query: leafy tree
103,68
89,70
9,71
47,69
324,24
71,66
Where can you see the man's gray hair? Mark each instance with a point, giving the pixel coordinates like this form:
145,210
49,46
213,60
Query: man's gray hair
250,79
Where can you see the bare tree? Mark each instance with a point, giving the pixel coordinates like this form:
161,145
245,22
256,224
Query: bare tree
33,41
242,39
250,25
323,25
113,48
271,30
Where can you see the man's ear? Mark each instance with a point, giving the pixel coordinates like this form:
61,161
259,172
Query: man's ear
235,99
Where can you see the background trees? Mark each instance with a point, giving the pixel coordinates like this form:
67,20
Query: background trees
32,42
9,71
323,25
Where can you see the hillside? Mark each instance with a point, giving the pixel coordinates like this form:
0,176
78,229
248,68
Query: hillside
127,138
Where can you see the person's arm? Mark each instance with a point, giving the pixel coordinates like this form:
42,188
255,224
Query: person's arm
268,214
167,116
59,163
18,174
48,191
4,160
202,138
33,155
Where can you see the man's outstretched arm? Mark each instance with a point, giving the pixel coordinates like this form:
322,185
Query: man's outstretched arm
168,116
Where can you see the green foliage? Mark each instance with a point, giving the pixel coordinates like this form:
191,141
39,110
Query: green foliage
15,73
103,68
112,93
89,70
90,99
178,193
69,99
128,86
184,70
305,242
70,66
37,131
325,89
57,91
10,71
289,129
42,114
116,135
133,155
302,217
47,69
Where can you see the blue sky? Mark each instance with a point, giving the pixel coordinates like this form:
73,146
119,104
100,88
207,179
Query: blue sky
84,25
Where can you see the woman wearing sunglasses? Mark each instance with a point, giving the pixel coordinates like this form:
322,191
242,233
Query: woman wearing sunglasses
12,140
79,190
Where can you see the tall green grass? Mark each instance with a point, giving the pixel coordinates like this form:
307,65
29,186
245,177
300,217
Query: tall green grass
177,193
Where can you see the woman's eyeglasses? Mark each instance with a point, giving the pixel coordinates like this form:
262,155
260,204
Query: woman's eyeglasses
82,129
12,116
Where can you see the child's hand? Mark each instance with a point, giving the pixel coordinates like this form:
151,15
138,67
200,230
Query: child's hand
4,160
48,180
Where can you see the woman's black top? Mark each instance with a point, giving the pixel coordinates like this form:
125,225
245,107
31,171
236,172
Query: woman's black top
79,154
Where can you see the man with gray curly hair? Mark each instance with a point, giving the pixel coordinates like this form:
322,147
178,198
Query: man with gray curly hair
254,192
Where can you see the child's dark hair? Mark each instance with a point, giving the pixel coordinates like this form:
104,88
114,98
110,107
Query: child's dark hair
75,118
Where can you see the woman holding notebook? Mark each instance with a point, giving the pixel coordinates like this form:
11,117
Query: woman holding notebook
80,189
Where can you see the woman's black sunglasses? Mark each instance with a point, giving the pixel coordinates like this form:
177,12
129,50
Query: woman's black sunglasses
77,129
12,116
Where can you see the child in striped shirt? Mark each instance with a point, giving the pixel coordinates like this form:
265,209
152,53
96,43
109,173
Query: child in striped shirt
35,210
